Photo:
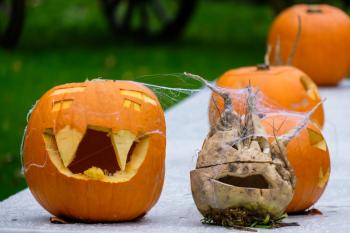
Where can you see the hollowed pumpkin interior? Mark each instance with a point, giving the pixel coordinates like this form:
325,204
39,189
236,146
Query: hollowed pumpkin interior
253,181
100,155
95,150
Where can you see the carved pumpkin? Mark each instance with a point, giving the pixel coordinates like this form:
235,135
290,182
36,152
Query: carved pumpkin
240,177
309,157
95,151
285,86
323,48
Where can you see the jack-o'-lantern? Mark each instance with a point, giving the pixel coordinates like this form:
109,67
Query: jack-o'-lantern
318,41
286,87
308,154
95,151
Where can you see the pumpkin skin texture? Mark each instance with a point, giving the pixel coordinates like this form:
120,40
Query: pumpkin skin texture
284,86
308,155
121,118
323,48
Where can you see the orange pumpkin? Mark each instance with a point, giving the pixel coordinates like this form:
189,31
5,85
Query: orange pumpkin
309,156
95,151
285,86
322,50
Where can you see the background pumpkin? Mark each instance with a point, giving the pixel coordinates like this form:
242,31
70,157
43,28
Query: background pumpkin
95,151
309,156
285,86
323,48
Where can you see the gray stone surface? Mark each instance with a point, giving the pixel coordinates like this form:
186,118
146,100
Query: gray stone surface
175,211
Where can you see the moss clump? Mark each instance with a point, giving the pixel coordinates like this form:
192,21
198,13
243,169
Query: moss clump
243,219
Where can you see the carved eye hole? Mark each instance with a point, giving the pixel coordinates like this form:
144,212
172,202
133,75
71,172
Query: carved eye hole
253,181
60,105
138,95
65,103
309,87
316,139
129,103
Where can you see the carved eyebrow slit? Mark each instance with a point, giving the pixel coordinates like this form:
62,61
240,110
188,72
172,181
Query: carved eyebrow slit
128,103
68,90
139,95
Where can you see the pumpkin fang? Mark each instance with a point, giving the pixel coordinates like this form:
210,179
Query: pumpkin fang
122,142
68,140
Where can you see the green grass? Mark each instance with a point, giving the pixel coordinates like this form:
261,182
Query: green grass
69,41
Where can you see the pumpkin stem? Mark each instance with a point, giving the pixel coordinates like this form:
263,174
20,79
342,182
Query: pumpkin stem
262,67
267,56
313,8
295,44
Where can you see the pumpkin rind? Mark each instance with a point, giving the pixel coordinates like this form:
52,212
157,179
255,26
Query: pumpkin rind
97,105
323,48
285,86
309,157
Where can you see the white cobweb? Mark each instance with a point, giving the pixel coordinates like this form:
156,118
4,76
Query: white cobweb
172,88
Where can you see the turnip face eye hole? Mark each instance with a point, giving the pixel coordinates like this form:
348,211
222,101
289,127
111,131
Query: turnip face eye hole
252,181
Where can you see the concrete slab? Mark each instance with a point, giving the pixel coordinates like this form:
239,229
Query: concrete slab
175,211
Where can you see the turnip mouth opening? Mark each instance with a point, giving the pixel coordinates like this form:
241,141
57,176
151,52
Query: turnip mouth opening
98,154
252,181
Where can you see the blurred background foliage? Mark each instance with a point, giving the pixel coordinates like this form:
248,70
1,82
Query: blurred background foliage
69,41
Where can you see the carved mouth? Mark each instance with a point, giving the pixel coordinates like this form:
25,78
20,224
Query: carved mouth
253,181
98,154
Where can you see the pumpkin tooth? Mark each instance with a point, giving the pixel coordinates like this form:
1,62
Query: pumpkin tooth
68,140
122,142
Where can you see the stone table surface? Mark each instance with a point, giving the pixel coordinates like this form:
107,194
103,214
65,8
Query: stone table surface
175,211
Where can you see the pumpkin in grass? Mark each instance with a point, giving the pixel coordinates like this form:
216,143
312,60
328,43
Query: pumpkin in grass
285,86
322,49
95,151
309,156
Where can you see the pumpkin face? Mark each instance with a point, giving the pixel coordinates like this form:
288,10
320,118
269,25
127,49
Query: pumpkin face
323,48
95,151
309,157
284,86
230,176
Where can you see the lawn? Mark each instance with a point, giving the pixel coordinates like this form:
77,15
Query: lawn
69,41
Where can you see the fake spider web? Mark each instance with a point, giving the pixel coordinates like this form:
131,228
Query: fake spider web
172,88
